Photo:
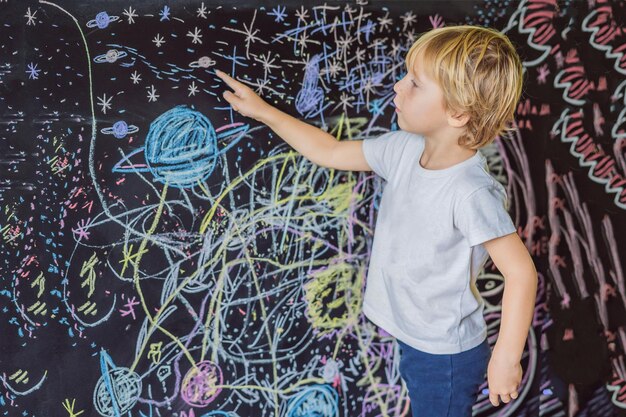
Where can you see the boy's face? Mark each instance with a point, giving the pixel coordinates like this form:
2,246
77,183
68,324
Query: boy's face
419,102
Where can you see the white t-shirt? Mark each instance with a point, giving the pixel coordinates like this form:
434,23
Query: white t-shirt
427,252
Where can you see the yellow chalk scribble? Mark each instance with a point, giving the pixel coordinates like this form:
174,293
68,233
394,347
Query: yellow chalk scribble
70,408
89,269
155,352
333,296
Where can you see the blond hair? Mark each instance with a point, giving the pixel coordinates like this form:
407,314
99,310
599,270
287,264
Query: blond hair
480,74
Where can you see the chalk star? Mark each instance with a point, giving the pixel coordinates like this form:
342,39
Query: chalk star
195,36
31,17
302,14
152,95
192,89
165,13
267,62
130,13
383,22
136,77
202,11
158,40
33,72
408,18
105,103
279,13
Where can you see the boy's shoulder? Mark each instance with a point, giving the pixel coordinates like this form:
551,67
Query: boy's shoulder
475,177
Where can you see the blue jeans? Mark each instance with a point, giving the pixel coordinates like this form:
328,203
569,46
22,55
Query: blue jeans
443,385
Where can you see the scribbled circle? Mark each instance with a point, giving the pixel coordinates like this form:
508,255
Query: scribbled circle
181,147
102,20
116,392
200,385
314,401
204,61
332,303
112,55
120,129
219,413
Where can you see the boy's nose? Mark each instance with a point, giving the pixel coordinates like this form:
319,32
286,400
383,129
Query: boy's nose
398,85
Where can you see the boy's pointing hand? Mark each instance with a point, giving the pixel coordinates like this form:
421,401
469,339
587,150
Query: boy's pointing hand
244,100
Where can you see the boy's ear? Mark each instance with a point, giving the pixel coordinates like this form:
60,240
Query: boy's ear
458,120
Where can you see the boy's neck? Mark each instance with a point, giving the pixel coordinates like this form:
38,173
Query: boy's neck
442,155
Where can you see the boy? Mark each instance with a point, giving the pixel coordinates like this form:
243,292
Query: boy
441,215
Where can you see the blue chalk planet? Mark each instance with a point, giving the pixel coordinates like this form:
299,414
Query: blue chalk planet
102,20
314,401
117,390
182,147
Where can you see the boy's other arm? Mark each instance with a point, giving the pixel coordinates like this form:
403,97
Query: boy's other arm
316,145
512,258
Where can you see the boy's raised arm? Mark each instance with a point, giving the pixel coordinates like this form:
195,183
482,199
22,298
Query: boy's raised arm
313,143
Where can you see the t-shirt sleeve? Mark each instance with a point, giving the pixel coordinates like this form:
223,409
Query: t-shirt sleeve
483,216
383,153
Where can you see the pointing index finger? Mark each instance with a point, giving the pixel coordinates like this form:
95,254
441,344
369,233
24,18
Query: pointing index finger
227,79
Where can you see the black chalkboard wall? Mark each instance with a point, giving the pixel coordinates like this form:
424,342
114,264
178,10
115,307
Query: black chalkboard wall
144,277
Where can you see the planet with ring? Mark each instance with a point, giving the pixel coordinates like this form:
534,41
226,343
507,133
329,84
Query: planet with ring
111,56
120,129
102,20
182,148
202,62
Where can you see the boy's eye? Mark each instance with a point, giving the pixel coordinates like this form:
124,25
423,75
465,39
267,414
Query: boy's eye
414,85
